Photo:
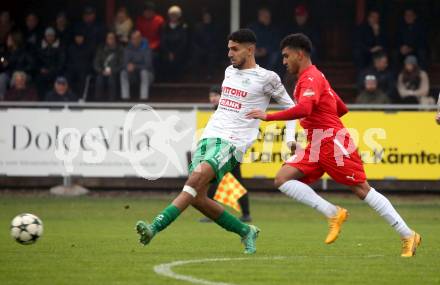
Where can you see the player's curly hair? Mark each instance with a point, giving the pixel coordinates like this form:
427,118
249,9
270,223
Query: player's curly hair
243,36
297,41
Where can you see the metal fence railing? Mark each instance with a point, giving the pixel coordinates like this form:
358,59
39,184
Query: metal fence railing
191,106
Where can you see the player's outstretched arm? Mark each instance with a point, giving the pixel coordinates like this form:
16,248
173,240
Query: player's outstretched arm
256,114
303,109
277,91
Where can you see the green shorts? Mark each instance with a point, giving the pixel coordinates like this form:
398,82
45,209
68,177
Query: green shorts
220,154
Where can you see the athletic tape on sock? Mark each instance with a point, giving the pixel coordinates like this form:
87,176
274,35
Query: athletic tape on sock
191,191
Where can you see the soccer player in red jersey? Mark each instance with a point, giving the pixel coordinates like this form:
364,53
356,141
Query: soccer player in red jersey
330,148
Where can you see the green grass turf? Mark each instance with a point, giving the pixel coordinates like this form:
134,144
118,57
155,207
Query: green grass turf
91,240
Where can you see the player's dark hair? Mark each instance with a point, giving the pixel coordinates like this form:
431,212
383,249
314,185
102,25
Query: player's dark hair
297,41
243,36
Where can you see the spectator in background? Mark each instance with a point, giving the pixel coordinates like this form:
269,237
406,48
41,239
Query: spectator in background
63,30
123,25
6,25
150,25
50,61
61,92
79,57
174,44
412,38
15,58
107,64
137,64
370,38
267,52
303,25
19,89
371,93
383,74
205,44
94,31
33,32
413,83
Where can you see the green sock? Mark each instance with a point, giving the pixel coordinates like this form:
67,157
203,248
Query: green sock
164,219
232,224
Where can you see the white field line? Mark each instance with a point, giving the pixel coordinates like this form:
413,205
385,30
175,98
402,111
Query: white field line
165,269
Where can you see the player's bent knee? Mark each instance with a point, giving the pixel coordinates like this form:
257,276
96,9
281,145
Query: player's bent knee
361,190
195,180
199,178
280,180
190,190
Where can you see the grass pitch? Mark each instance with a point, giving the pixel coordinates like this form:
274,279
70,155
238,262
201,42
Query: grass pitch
91,240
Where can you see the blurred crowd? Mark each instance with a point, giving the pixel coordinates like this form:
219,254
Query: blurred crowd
69,61
388,75
86,60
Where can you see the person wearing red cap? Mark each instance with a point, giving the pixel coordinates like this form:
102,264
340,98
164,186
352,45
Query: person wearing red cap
303,25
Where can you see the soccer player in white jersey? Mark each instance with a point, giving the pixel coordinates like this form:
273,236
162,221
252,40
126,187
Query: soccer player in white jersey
227,136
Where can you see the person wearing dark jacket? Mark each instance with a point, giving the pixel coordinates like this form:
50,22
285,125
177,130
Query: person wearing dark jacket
94,31
15,58
61,92
370,38
303,25
384,76
63,29
174,44
137,64
107,65
412,38
20,91
32,32
50,61
205,44
267,52
78,59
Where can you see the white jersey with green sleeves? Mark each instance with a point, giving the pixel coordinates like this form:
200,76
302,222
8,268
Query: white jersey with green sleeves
242,91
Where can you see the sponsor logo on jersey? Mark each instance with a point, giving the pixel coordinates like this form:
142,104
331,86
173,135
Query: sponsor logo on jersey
308,93
234,92
246,81
230,104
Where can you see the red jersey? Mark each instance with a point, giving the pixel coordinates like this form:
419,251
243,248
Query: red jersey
319,108
151,29
317,104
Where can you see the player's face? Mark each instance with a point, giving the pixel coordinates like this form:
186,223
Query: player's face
291,59
239,53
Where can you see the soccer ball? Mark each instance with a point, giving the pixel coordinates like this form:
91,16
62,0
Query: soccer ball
26,228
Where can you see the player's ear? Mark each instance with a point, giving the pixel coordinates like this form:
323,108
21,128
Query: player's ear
302,54
251,48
